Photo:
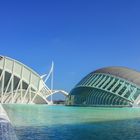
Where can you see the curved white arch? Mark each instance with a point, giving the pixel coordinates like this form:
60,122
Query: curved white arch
58,91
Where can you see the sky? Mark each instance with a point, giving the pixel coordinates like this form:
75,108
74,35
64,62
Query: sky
80,36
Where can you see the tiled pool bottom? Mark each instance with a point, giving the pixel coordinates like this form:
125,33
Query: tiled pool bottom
42,122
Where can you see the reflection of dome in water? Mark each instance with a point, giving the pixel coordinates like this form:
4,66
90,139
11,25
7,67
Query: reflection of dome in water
110,86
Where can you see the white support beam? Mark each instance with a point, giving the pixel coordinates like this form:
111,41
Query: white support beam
26,92
17,90
2,88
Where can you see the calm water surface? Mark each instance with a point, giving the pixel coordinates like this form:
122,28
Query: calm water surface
42,122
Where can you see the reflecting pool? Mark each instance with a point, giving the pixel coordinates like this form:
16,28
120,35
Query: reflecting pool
42,122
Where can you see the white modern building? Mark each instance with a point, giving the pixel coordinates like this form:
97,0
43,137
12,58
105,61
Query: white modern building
21,84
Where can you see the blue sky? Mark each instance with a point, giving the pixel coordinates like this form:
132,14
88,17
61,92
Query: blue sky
78,35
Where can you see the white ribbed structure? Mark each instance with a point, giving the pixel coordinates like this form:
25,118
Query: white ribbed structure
20,84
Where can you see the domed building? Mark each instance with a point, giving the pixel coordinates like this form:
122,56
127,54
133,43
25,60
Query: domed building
110,86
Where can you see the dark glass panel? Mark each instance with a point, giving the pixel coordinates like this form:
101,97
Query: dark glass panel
6,79
127,94
136,94
24,85
122,90
116,88
109,88
16,82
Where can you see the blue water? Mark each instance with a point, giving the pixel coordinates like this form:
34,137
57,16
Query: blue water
6,130
42,122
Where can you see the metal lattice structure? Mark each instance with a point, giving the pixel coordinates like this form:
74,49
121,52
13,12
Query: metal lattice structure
112,86
20,84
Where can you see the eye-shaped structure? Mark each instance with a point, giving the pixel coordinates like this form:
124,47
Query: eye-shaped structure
110,86
20,84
